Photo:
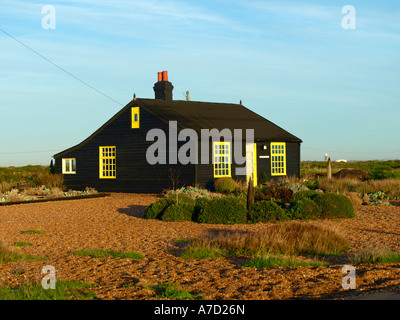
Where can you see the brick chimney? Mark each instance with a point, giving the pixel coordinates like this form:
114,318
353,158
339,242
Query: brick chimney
163,88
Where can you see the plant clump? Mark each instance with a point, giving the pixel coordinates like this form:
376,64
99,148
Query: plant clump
225,185
266,211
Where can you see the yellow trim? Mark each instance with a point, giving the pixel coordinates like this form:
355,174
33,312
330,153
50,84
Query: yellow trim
64,166
107,162
278,158
252,148
255,165
135,117
221,159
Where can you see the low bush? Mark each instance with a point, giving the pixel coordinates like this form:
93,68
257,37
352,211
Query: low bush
305,194
314,205
225,185
332,205
224,210
266,211
273,192
181,211
304,209
167,209
156,209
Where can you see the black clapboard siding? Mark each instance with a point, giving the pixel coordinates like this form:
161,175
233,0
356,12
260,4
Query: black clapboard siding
135,174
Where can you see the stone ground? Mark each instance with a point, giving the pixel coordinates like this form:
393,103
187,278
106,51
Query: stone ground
115,223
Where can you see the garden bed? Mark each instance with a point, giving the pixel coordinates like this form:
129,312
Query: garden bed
44,199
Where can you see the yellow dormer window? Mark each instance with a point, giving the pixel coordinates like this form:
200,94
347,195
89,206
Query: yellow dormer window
135,117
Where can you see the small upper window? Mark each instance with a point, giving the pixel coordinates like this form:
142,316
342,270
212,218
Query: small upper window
135,117
69,166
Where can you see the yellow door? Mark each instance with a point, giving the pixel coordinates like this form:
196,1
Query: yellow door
251,162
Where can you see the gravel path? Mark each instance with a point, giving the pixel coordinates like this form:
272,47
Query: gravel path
115,223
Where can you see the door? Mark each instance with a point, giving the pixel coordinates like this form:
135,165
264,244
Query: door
251,163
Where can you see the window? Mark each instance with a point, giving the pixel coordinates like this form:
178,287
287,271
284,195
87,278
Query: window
69,166
135,117
278,158
107,162
222,159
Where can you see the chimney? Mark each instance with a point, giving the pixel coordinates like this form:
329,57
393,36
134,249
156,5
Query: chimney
163,88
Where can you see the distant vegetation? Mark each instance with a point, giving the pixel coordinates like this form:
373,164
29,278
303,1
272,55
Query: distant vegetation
389,169
34,176
30,182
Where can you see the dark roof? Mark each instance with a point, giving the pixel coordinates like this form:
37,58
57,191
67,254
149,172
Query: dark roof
208,115
205,115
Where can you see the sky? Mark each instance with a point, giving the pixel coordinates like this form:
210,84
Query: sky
327,74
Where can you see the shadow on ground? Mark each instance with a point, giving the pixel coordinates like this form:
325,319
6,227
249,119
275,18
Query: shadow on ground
133,211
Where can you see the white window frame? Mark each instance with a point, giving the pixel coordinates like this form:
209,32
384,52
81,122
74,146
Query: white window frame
64,166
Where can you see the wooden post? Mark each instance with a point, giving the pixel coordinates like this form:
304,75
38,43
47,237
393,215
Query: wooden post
250,195
329,169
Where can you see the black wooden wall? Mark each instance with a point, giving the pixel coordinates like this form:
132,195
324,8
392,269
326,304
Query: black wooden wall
135,174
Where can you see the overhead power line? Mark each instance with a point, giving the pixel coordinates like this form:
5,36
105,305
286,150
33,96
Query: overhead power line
62,69
18,152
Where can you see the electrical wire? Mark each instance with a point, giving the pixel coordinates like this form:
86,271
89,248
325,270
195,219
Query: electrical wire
62,69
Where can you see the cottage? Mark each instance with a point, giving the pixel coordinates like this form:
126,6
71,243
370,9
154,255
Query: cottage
137,148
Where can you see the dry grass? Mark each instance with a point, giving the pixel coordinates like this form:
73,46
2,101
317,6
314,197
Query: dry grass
391,187
376,254
55,193
14,196
7,254
291,238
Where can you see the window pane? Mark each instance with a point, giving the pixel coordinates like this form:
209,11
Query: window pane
73,165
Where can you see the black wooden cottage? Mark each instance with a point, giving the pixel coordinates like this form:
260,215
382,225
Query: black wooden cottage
126,154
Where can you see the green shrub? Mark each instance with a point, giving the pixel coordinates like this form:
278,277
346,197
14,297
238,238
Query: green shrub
167,209
332,205
311,194
266,211
274,192
225,210
156,209
263,177
181,211
225,185
304,209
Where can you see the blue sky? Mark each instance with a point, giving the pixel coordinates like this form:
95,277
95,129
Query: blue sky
292,62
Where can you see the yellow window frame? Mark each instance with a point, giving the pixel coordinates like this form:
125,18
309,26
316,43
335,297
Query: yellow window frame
135,117
221,159
107,162
278,158
68,165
